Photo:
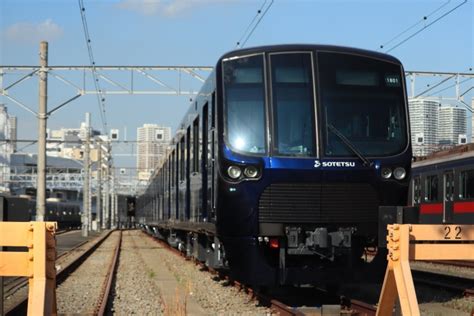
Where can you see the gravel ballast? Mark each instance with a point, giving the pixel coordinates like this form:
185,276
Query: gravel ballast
80,292
214,296
134,290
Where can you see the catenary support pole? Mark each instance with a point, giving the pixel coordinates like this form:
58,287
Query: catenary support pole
85,189
42,117
99,187
115,207
106,223
112,196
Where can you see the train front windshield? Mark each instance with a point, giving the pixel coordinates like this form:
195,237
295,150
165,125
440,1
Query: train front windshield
245,104
362,99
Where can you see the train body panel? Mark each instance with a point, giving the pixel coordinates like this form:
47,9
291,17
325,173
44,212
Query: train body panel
283,159
66,214
442,186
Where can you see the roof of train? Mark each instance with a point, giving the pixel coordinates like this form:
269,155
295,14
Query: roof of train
318,47
456,153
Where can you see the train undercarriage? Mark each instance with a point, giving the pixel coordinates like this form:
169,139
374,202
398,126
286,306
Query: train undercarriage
304,254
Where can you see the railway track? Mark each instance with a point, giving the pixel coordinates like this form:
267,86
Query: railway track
277,302
455,263
458,286
454,284
85,290
107,285
64,269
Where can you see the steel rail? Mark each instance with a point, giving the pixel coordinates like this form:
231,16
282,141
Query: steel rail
451,283
456,263
107,286
362,309
61,275
278,307
13,284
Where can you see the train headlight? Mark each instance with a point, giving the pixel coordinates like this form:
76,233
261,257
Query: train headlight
399,173
234,172
251,172
386,173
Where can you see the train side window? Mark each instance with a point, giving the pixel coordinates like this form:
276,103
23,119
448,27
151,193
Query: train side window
204,144
173,169
416,190
449,186
213,110
431,188
188,151
181,159
466,185
196,145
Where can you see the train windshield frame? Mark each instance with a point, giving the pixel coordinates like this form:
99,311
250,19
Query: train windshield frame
245,104
364,99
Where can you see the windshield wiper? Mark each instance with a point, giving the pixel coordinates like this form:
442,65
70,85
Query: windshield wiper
349,145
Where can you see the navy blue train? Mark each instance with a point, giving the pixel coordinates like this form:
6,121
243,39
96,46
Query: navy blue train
279,167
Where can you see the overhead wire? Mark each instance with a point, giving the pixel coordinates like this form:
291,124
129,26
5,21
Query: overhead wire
251,23
258,21
426,26
99,92
423,19
448,87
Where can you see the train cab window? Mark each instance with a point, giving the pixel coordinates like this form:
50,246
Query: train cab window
244,92
363,100
431,188
466,185
293,104
416,190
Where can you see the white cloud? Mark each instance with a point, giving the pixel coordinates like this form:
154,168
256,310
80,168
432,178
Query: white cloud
164,7
26,32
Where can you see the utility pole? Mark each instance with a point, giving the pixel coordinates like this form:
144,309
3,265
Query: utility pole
105,223
112,207
42,117
99,187
85,189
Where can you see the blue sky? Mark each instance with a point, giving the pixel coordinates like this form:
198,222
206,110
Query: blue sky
197,32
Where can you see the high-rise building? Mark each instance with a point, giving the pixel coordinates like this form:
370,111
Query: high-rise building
424,119
152,142
67,142
452,123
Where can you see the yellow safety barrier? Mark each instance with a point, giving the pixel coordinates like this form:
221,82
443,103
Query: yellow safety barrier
419,242
37,263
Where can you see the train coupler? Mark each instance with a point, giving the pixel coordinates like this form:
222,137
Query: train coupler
320,241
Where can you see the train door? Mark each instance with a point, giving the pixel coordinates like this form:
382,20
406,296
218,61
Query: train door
416,191
448,196
205,160
212,163
188,173
431,208
182,180
195,176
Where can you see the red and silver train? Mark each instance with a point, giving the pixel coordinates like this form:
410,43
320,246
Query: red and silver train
442,186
